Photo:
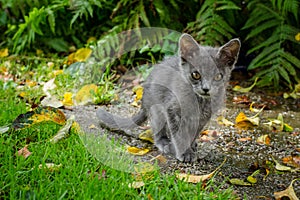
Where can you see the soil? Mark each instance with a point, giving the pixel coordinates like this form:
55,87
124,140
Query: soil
243,153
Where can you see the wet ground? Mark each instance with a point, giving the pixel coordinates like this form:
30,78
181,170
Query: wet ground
243,153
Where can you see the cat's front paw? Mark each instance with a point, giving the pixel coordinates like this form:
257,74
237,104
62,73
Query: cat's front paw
189,156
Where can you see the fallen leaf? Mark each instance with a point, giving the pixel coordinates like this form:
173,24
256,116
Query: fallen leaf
278,124
238,88
244,139
92,126
63,131
30,83
236,181
147,136
4,53
24,152
241,99
264,139
289,192
223,121
137,151
244,122
52,102
4,129
161,159
280,167
256,110
50,167
68,101
86,94
81,55
136,184
292,161
40,114
138,91
50,85
195,178
251,179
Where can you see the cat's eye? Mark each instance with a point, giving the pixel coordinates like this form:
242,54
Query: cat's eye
196,75
218,77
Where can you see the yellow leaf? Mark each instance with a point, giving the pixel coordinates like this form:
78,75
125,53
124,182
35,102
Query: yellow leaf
3,53
68,101
297,37
30,83
86,94
82,54
238,88
147,136
137,151
138,90
289,192
244,122
251,179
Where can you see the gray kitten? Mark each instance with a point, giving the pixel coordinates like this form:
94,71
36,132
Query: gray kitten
180,96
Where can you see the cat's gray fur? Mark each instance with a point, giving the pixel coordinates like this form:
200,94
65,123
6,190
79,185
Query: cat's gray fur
180,96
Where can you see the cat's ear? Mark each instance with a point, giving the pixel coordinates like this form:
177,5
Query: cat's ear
188,47
229,52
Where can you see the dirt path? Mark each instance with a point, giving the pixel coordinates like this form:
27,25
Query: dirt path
244,154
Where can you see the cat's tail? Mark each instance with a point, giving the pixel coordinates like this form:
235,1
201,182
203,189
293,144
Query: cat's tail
114,122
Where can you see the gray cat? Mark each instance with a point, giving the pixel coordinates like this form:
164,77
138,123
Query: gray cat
180,96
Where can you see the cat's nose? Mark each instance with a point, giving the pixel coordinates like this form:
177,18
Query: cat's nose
205,90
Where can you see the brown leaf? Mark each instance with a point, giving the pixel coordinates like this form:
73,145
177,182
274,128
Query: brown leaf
195,178
24,152
241,99
292,161
289,192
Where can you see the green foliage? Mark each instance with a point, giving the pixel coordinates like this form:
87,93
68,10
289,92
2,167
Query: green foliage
211,26
272,27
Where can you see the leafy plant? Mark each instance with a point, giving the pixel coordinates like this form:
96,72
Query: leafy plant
272,27
211,26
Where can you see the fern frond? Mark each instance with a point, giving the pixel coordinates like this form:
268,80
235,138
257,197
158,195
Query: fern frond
262,27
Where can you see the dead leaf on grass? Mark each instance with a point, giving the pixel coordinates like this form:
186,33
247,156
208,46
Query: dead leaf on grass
24,152
289,192
40,114
63,131
4,53
196,178
136,184
51,167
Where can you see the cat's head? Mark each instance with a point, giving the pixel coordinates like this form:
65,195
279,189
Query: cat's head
207,69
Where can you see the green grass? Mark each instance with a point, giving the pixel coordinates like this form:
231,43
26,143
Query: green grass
80,176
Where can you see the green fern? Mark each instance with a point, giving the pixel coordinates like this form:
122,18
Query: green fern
210,27
271,33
